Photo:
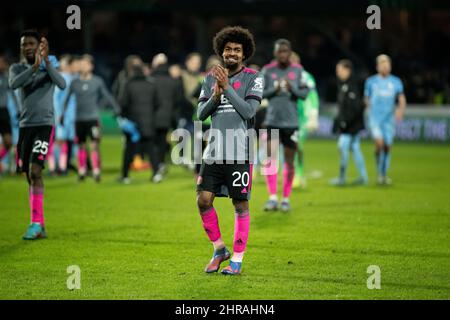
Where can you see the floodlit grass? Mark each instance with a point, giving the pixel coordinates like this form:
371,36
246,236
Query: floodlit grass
145,241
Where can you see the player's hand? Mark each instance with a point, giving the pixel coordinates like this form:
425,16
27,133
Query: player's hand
37,60
44,50
221,75
287,85
399,115
218,91
277,86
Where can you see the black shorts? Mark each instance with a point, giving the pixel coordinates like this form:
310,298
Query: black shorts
5,121
32,146
288,137
226,180
85,129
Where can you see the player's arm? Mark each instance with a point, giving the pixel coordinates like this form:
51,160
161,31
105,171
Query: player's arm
124,100
108,97
56,77
298,89
245,107
400,111
312,110
367,93
208,101
66,102
269,92
19,79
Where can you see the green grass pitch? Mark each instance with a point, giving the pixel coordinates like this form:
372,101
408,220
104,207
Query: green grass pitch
145,241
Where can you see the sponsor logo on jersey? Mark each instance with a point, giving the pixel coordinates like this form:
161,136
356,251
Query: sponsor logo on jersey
258,85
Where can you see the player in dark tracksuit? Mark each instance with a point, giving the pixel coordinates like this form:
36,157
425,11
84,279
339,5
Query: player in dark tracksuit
349,123
230,95
88,89
36,77
283,88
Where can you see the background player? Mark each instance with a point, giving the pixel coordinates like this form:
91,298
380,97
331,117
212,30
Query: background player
381,92
308,121
37,77
283,88
5,119
349,123
88,89
64,132
230,95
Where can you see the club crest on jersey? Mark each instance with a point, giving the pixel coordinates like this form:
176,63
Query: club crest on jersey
236,85
291,75
85,87
258,85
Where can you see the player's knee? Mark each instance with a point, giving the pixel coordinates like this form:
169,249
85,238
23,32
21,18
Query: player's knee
35,173
7,142
343,147
204,203
241,207
94,146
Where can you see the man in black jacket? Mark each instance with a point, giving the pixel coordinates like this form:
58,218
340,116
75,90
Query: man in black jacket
139,104
349,123
170,97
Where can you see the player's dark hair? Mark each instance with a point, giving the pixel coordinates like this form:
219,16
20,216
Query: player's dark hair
31,33
237,35
129,59
192,55
88,57
347,64
283,42
66,56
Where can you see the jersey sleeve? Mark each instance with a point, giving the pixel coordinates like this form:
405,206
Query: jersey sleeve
19,76
309,80
107,96
368,88
399,87
205,92
255,88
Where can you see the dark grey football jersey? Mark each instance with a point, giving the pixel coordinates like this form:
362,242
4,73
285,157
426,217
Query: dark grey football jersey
3,90
232,118
88,94
36,93
282,111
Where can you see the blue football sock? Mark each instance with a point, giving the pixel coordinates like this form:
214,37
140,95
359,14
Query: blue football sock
359,160
386,163
380,160
344,149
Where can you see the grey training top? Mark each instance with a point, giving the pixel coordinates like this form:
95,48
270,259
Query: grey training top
36,93
282,111
88,94
234,113
3,90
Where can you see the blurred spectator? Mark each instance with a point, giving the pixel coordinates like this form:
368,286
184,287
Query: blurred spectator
139,103
191,78
169,97
119,83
